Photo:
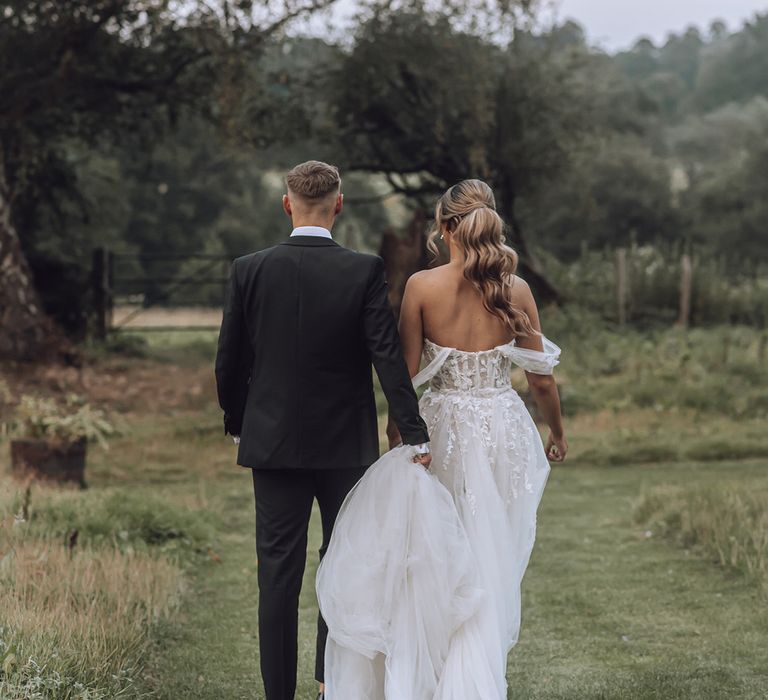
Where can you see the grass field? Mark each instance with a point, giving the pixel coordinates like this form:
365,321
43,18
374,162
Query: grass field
628,595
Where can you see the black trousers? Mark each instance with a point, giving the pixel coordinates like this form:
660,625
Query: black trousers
283,508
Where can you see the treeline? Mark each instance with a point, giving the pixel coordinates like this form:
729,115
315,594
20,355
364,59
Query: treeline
661,146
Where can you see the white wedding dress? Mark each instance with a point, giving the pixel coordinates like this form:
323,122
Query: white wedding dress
420,586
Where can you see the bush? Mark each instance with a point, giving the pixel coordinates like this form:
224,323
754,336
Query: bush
68,421
123,520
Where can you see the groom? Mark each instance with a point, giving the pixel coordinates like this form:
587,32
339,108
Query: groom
302,324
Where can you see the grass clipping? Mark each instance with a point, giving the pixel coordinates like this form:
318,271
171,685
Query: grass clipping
728,524
76,619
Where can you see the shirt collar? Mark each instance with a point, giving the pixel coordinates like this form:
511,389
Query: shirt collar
311,231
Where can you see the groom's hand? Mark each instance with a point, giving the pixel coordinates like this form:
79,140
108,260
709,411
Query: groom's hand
424,460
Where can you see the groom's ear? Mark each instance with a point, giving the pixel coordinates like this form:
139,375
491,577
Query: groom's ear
287,205
339,204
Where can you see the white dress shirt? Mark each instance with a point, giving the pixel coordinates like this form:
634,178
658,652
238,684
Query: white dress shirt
325,233
311,231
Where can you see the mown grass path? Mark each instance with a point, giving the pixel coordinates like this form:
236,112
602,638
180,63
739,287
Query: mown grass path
609,610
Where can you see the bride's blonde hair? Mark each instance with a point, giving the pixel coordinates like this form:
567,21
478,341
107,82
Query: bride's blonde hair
468,211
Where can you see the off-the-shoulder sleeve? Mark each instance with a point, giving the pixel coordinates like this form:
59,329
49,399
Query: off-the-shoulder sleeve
535,361
432,368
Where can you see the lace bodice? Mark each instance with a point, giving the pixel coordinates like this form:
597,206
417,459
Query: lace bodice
448,369
469,371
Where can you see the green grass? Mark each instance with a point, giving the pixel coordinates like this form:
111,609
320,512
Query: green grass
121,519
613,607
608,612
611,612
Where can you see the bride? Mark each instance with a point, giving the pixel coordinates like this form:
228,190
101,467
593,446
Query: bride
420,586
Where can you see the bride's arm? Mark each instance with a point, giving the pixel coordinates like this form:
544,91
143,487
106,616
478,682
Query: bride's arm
411,339
543,386
411,327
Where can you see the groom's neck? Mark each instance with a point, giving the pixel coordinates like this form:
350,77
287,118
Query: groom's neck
321,221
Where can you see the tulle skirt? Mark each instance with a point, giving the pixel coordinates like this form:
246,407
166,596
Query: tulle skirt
420,586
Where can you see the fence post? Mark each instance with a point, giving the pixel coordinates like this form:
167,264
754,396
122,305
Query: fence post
621,285
100,277
685,291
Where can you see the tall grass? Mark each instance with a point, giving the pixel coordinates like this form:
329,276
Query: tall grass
126,520
727,524
76,625
720,370
84,577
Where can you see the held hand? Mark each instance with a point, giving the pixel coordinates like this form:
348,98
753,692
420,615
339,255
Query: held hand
424,460
556,448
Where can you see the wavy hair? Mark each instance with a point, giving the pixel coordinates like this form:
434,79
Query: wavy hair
468,211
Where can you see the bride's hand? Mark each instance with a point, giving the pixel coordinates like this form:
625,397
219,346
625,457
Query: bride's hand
556,448
424,460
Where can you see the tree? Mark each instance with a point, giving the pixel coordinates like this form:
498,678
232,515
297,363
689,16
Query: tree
729,208
71,69
428,104
734,68
617,193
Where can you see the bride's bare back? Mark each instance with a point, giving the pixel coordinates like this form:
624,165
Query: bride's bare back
446,308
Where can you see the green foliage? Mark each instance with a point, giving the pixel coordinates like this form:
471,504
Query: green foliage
659,145
653,287
714,371
429,101
616,193
85,83
734,68
74,419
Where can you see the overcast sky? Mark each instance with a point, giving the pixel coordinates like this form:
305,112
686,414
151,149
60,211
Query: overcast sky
615,24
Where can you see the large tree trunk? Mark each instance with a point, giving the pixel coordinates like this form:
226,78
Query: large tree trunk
26,333
530,270
403,256
529,267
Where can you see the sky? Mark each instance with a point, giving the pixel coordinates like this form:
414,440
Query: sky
617,24
613,24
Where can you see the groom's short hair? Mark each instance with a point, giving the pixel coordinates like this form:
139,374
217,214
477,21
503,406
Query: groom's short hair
313,180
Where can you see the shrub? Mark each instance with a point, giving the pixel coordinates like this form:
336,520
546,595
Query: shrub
68,421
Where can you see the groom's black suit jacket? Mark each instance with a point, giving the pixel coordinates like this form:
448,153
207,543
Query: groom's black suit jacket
302,323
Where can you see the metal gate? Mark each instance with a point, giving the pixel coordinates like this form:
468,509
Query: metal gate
158,291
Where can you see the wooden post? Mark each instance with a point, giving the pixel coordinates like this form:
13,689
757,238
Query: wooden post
100,290
621,285
684,318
